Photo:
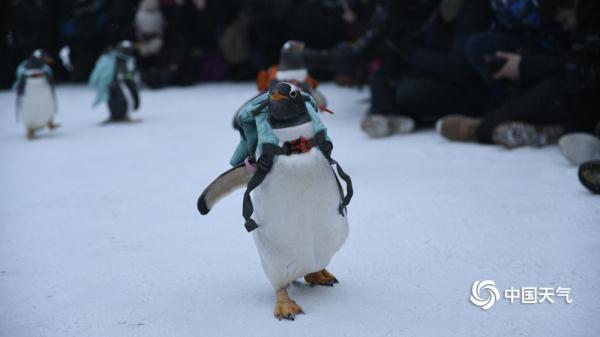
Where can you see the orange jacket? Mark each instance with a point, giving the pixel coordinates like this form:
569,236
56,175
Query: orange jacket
264,78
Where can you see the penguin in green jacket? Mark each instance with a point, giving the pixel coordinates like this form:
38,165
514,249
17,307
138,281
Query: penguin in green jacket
113,78
294,205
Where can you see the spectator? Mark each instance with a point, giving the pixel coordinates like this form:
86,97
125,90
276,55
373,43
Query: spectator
27,26
149,28
562,90
518,26
437,79
422,51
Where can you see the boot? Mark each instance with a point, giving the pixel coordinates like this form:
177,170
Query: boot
377,126
516,134
458,128
589,175
579,147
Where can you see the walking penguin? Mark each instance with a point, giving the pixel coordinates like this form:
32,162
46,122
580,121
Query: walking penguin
36,100
301,218
113,78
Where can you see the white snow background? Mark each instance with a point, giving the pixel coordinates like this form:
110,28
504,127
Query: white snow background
100,236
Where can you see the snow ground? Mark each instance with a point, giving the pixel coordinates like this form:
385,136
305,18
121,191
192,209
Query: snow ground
99,233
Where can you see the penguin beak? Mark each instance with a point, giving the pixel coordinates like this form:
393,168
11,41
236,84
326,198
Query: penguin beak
48,60
276,96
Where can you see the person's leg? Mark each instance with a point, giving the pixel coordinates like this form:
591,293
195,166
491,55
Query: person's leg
426,100
583,114
382,99
543,104
380,120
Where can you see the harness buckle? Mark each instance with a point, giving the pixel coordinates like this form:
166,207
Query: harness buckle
300,145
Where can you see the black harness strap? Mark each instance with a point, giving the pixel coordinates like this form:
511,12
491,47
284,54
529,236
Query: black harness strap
264,164
320,140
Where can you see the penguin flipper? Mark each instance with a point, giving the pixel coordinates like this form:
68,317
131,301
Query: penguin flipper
229,181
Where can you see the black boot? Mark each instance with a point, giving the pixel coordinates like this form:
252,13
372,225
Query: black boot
589,175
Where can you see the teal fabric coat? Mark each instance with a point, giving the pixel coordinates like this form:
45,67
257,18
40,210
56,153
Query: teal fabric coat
258,131
20,75
104,72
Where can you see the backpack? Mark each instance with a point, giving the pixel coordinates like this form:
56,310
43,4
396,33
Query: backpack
257,139
105,72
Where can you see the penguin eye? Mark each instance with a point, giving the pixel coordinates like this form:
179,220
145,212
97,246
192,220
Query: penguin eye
293,93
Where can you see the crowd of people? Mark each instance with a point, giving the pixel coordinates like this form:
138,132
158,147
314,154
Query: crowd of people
178,42
508,72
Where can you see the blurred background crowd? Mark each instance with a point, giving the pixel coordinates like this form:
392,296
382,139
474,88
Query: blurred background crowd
179,42
509,72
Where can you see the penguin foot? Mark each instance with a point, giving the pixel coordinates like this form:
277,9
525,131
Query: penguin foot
52,125
30,134
321,278
133,119
285,307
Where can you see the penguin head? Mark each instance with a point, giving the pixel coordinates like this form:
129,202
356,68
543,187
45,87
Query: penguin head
286,106
34,67
41,56
125,47
291,55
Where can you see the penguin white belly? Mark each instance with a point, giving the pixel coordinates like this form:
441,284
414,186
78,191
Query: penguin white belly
296,208
127,95
37,105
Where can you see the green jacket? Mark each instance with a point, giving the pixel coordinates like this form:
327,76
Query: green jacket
256,130
104,73
20,75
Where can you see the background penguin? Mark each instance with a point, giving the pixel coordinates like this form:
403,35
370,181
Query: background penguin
296,205
36,100
291,69
114,79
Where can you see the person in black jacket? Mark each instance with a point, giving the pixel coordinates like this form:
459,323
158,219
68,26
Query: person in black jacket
424,73
561,91
437,79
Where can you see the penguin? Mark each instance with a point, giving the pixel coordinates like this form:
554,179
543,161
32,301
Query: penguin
292,69
296,205
36,100
123,91
114,79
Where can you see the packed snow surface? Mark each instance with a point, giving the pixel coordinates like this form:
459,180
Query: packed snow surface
100,236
